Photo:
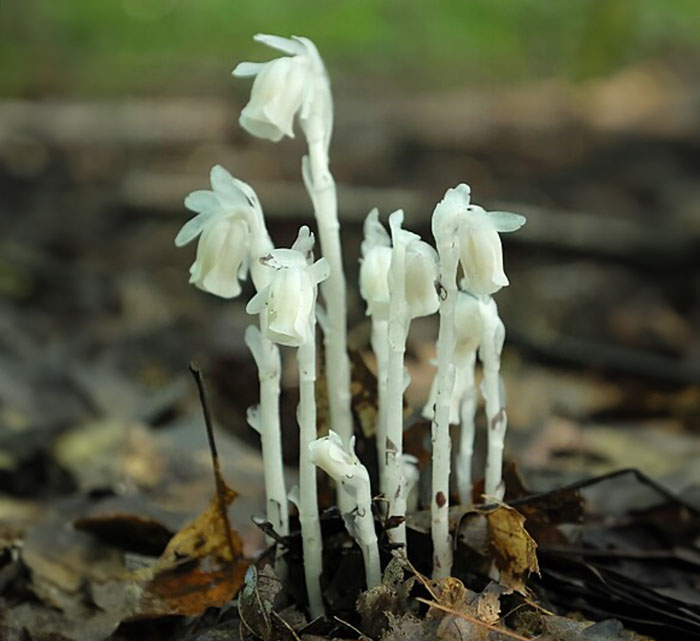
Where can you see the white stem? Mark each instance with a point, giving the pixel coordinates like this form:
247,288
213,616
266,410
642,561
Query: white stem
440,497
497,423
308,502
267,358
490,355
394,438
367,537
380,345
467,411
321,187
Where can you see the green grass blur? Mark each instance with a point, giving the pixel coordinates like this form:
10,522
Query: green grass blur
114,47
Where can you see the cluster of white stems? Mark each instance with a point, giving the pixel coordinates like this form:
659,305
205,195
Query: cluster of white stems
401,278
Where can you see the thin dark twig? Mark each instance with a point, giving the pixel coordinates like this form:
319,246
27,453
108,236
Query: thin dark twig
584,483
218,478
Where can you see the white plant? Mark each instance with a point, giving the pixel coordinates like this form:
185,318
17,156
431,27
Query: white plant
412,276
468,334
343,466
288,303
468,234
297,85
374,289
445,228
490,347
232,237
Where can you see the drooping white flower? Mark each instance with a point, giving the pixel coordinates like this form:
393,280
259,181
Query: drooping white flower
481,253
230,227
413,273
290,297
291,85
468,327
374,268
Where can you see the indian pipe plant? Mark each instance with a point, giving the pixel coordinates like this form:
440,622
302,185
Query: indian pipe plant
401,277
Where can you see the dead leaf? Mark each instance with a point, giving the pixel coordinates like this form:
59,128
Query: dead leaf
512,548
260,607
203,566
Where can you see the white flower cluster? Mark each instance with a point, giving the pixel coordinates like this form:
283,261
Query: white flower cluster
401,278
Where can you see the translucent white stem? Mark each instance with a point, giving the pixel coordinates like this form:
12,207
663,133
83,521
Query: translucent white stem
380,345
467,411
394,438
308,502
497,423
490,355
321,187
440,497
367,538
267,359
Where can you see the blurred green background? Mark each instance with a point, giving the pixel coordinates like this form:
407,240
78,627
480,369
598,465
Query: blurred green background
106,48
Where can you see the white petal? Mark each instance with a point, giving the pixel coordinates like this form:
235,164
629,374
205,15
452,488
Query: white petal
248,69
192,228
375,234
286,45
257,303
202,200
304,242
505,221
319,271
284,258
225,188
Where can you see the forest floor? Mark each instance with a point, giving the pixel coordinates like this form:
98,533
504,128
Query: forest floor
103,451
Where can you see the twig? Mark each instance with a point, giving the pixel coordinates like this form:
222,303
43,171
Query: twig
474,620
353,628
286,625
420,577
583,483
218,478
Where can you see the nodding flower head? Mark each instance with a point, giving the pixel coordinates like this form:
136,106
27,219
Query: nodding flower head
287,86
341,464
468,327
290,297
414,270
374,268
475,231
229,225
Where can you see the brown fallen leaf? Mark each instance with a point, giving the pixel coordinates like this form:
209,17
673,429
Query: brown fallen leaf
203,564
512,549
198,569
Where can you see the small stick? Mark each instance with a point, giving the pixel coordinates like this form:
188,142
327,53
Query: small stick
218,478
474,620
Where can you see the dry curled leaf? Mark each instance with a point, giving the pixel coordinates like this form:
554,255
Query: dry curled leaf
203,565
512,549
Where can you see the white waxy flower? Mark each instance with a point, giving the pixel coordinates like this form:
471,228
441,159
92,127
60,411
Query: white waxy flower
296,84
230,227
481,253
290,297
468,327
374,269
413,272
